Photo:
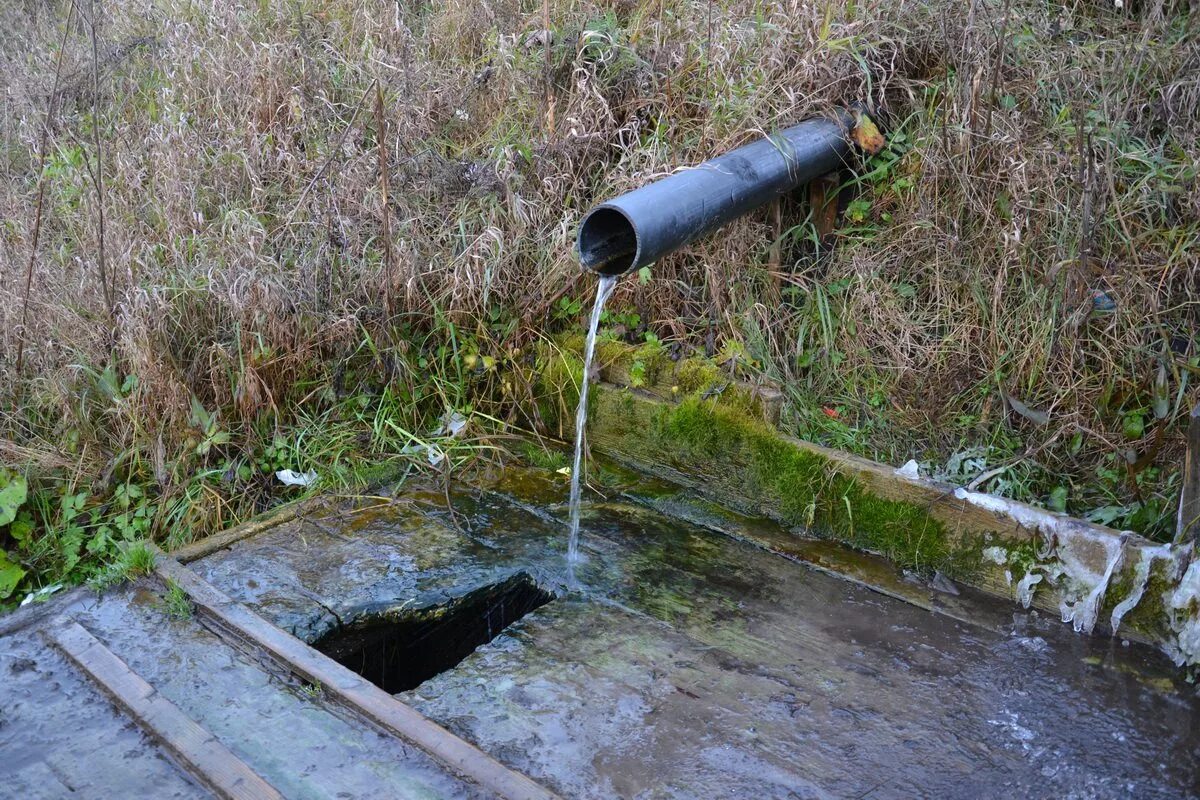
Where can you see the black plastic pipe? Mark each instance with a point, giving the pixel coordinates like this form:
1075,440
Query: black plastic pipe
640,227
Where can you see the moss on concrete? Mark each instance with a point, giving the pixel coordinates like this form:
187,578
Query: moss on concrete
713,435
743,457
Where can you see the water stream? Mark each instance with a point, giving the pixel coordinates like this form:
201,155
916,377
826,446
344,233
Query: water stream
603,289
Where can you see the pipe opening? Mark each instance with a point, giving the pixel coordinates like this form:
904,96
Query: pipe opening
608,243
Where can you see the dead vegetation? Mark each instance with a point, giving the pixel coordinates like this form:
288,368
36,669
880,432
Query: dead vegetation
224,283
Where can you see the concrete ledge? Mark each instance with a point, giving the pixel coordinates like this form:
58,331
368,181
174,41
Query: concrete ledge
697,425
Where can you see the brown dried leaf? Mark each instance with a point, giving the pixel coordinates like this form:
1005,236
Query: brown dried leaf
1034,415
866,135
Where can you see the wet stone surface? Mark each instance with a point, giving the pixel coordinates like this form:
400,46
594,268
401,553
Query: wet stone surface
693,664
61,737
57,731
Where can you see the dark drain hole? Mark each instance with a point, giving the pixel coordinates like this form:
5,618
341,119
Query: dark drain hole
400,649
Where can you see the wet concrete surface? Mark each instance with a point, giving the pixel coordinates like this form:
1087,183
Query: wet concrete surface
59,737
286,730
693,664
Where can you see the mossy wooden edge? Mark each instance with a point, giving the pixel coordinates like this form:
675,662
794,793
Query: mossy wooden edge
698,422
278,515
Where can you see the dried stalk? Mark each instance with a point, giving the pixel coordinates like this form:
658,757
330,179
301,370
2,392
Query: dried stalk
98,175
389,260
329,160
43,146
549,88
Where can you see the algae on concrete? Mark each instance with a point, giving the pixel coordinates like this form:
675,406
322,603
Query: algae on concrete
698,424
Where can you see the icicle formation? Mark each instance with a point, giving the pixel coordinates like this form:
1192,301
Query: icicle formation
1082,613
1183,605
1141,576
603,290
1068,563
1068,542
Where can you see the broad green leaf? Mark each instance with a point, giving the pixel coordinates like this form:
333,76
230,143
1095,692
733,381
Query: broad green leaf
22,528
13,492
201,419
1134,426
100,541
10,576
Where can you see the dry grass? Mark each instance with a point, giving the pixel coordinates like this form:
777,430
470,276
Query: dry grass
1049,152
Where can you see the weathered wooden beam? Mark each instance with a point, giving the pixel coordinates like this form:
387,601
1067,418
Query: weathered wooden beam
1187,526
223,539
823,200
30,615
459,756
195,748
635,427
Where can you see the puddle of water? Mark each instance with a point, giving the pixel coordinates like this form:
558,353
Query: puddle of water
401,648
603,289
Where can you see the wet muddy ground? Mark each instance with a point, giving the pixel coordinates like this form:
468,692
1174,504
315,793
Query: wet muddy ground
692,664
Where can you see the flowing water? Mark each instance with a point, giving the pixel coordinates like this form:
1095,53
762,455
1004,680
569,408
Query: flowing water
693,665
603,289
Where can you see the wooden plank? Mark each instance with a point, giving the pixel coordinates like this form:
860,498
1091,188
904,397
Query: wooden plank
1187,528
36,612
461,757
223,539
199,752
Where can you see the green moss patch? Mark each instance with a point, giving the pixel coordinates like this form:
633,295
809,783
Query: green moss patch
740,457
710,431
715,436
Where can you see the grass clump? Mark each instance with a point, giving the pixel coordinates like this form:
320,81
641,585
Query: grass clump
229,259
135,560
537,455
176,602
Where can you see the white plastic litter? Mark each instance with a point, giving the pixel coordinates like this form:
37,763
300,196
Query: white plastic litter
910,470
292,478
41,594
432,452
452,424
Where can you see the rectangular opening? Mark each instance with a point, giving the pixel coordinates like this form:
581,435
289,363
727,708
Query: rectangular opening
399,649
